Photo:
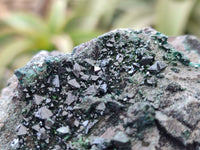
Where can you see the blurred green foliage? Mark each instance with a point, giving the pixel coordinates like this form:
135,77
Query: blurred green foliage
68,23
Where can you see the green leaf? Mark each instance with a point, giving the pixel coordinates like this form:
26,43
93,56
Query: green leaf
9,52
88,14
136,18
63,43
194,22
95,10
57,16
108,15
25,24
193,28
6,35
81,36
172,15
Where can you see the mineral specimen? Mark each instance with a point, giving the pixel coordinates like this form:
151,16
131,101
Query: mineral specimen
117,91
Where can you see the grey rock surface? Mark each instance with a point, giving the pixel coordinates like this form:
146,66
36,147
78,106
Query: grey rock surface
118,91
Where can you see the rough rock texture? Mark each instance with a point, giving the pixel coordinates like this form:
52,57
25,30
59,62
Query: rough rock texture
189,45
123,90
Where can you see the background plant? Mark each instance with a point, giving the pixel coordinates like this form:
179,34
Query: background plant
68,23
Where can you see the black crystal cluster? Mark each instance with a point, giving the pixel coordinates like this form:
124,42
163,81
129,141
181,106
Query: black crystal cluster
67,95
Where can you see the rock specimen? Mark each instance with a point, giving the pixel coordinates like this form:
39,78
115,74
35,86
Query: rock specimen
123,90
